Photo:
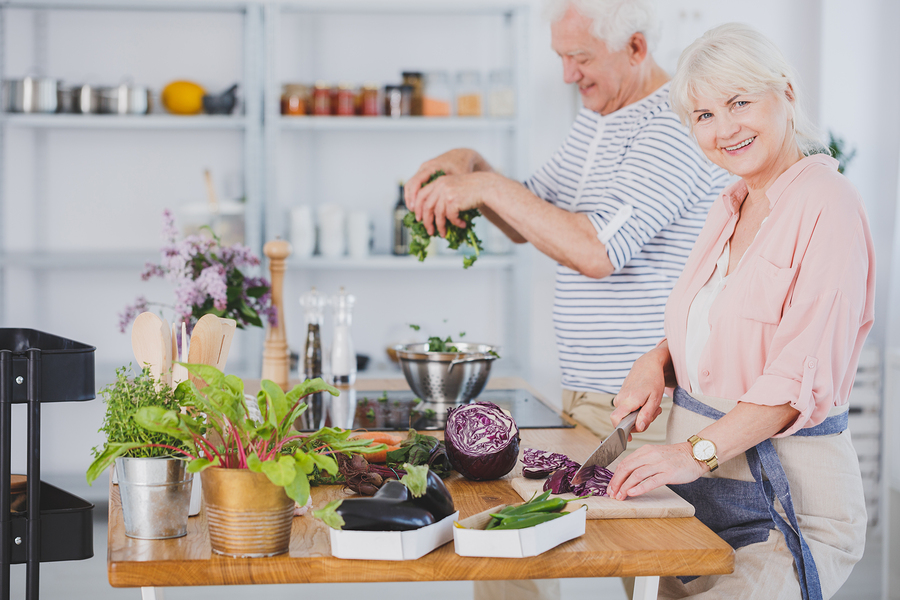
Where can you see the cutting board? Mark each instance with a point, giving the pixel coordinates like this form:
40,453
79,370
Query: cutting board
659,503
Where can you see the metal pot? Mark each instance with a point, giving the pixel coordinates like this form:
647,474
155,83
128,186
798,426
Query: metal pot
446,377
156,497
125,99
30,95
83,99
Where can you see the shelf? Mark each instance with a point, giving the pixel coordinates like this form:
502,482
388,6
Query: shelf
309,123
78,260
390,262
76,121
466,7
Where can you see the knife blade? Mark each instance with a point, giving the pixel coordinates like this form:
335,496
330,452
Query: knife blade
609,449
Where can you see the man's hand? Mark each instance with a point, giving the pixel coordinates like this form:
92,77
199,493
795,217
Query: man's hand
444,198
455,162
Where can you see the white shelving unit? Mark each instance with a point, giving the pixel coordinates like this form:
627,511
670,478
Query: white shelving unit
265,132
299,38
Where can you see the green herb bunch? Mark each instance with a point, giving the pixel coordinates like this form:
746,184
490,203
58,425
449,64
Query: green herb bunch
124,398
456,236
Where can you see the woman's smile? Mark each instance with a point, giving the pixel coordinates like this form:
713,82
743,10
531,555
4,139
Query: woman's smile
735,149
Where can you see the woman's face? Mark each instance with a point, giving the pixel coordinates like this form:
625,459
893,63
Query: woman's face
750,135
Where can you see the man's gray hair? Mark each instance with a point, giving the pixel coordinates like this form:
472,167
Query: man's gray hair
735,58
614,21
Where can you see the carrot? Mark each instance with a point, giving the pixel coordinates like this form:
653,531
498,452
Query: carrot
379,437
380,457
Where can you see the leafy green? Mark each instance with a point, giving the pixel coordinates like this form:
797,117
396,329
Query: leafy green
124,436
420,449
456,236
436,344
328,514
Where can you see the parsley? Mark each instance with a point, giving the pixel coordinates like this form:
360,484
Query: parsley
456,236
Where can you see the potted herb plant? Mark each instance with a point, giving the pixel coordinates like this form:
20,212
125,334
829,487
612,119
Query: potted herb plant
154,486
252,470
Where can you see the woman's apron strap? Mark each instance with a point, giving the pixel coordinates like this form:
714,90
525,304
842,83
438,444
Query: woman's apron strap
761,458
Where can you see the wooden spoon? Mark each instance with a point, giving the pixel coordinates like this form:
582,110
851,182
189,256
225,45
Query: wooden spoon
148,343
167,352
206,341
228,327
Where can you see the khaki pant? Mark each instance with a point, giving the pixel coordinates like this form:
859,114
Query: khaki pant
592,410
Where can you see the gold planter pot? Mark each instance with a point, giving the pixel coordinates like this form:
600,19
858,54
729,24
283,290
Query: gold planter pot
247,515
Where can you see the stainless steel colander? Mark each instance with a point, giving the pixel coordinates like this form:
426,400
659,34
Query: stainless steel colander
446,377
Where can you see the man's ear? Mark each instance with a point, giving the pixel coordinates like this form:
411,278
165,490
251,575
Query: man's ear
637,48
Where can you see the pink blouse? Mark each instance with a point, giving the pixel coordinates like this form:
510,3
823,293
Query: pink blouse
790,323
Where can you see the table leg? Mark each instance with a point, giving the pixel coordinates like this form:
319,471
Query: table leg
152,593
646,588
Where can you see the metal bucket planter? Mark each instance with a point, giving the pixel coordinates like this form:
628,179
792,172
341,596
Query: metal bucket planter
156,497
247,515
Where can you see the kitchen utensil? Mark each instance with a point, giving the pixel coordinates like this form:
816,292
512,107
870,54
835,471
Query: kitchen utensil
655,504
124,99
147,341
609,449
166,331
30,95
343,356
65,99
220,104
179,372
228,327
206,343
446,377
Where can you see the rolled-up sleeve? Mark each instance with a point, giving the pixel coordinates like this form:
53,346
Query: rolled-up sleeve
810,357
659,176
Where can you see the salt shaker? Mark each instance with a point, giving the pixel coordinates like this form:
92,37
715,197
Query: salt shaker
343,355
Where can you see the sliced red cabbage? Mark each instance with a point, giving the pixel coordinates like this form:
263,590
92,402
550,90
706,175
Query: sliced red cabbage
561,469
538,464
482,441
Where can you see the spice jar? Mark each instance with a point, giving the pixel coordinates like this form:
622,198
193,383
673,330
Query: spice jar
294,99
369,103
345,101
437,97
468,94
322,99
414,79
502,96
397,100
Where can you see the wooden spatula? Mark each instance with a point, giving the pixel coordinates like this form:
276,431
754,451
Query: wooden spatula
228,327
206,341
166,366
148,343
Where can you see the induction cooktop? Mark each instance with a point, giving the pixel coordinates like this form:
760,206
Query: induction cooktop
401,410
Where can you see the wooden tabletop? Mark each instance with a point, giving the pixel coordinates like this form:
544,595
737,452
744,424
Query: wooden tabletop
614,547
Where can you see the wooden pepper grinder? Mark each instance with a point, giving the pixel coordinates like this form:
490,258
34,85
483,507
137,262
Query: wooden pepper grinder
276,357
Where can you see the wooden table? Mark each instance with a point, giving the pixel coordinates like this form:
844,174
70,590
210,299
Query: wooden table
642,548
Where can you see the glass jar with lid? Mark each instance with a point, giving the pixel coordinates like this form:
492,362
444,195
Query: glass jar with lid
437,97
415,80
469,94
346,100
322,98
502,95
398,100
369,100
294,99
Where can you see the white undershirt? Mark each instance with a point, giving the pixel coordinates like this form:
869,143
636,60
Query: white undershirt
698,318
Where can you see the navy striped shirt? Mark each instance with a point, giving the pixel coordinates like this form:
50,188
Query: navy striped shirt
646,187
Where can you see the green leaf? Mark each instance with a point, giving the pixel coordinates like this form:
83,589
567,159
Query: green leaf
416,479
254,463
107,458
257,291
201,464
325,463
211,375
298,489
272,396
328,514
314,386
281,472
165,421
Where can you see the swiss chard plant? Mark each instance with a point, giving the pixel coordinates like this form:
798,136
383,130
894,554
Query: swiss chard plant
216,430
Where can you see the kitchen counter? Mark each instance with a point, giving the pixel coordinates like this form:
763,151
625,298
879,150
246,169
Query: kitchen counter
644,548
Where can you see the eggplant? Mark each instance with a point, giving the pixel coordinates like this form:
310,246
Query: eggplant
376,514
394,490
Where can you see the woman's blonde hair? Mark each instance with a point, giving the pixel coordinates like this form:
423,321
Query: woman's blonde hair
734,58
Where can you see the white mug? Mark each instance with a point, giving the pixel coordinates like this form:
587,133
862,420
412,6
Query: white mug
332,231
359,234
303,231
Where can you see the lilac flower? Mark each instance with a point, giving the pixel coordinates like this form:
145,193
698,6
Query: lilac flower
131,311
207,278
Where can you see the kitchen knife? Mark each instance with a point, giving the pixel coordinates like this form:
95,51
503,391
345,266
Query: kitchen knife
609,449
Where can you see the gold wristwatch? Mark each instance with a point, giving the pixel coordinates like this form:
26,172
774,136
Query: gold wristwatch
704,451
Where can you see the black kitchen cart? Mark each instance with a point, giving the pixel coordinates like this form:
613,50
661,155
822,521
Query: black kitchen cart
38,367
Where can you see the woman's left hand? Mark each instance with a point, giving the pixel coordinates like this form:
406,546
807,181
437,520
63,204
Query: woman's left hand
653,466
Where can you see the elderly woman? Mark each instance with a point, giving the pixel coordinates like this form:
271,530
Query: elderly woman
763,334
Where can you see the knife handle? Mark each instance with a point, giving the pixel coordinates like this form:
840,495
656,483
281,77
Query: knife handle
628,422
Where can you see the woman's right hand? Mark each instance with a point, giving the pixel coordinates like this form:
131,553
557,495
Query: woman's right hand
455,162
643,389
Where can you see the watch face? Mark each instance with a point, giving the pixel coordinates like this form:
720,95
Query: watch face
704,450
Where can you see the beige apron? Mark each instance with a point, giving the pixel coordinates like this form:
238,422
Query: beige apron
827,497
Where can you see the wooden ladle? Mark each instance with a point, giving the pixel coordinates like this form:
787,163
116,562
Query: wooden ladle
206,344
148,343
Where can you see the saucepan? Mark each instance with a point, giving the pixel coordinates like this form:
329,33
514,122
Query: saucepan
30,95
124,99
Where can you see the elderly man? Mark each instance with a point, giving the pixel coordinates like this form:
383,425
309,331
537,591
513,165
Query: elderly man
618,206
